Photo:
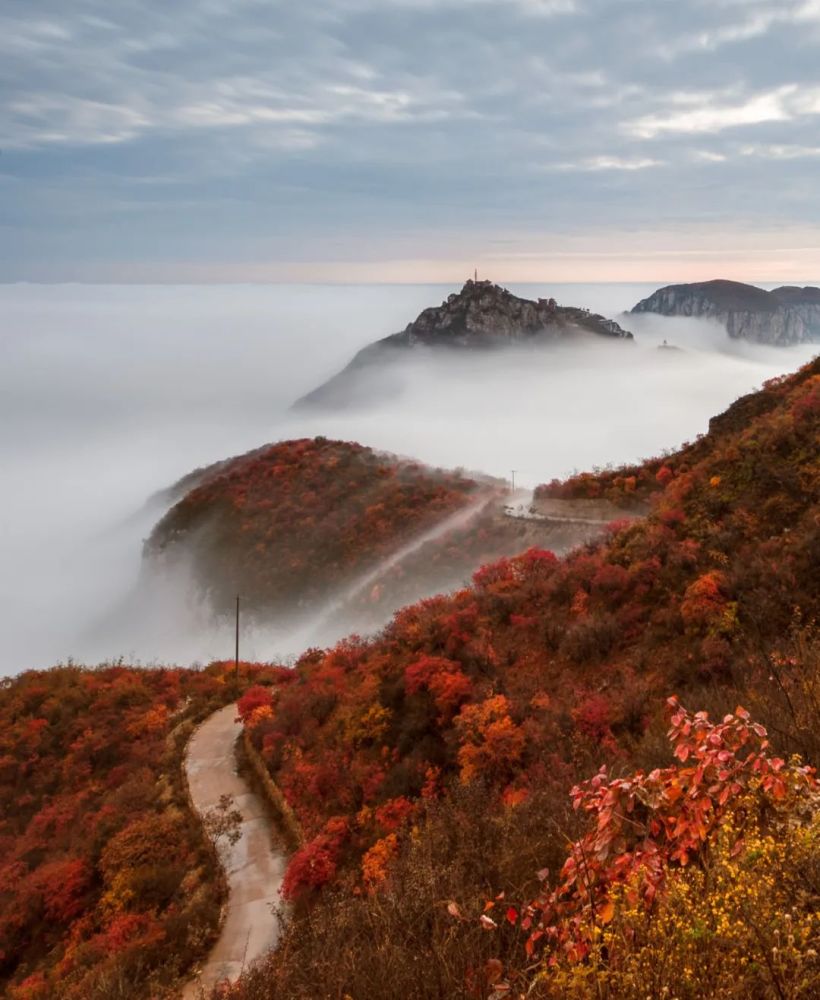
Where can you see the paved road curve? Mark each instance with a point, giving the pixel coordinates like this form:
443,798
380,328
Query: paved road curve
254,866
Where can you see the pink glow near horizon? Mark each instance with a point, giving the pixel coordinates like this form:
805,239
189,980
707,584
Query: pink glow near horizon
760,261
802,269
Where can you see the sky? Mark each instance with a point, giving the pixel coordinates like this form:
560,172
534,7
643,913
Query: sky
409,140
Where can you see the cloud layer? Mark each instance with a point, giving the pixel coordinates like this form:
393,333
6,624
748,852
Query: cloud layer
222,139
108,395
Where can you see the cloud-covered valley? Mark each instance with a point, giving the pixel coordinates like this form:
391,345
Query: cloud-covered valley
111,394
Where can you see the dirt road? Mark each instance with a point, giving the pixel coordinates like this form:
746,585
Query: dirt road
254,865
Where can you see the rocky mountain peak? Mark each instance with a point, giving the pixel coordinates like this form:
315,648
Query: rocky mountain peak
482,309
485,313
481,316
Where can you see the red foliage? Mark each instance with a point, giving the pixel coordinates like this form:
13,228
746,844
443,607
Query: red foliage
625,487
394,814
545,659
703,601
593,716
443,678
95,846
645,823
64,885
491,743
314,864
255,697
287,524
135,930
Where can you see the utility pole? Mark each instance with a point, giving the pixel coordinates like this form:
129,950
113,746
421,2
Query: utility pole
236,648
513,480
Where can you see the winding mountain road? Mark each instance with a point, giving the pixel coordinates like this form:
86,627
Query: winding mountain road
254,865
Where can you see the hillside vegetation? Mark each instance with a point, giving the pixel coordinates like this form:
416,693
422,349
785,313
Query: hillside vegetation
288,525
432,762
108,888
587,776
448,561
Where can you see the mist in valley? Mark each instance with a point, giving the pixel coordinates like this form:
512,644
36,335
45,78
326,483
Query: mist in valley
108,395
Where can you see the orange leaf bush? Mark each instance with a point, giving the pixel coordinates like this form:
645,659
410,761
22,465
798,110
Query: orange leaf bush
645,825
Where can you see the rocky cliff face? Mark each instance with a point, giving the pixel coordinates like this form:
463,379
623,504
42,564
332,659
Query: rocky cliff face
481,316
484,314
787,315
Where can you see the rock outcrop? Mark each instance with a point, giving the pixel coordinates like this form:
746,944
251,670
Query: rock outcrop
484,314
787,315
481,316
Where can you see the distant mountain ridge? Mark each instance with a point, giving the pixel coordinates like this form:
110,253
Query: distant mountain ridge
786,315
482,315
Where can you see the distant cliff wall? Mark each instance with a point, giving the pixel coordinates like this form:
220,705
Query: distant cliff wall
781,317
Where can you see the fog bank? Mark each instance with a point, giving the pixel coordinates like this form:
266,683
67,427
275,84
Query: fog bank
109,394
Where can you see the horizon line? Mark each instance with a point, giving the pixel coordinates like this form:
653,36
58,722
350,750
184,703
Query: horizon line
364,284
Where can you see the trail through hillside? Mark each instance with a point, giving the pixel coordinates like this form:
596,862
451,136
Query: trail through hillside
452,523
254,865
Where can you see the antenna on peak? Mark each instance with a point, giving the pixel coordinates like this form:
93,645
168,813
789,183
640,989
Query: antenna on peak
475,275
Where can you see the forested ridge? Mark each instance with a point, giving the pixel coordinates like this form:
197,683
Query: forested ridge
579,776
288,524
510,691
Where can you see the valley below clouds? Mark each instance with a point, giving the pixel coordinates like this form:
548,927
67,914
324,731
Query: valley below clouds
110,394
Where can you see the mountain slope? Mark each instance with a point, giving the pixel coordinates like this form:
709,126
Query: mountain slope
289,524
432,763
108,886
338,533
481,316
713,577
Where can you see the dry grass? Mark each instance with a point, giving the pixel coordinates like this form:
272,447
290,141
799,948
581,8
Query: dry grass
401,942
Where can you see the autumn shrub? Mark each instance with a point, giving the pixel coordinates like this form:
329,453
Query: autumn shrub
698,879
491,743
254,698
416,934
314,864
743,925
625,486
108,890
448,685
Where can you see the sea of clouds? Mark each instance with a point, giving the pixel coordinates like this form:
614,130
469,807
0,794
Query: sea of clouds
108,394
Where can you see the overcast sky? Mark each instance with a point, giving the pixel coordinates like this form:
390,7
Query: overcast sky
369,140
